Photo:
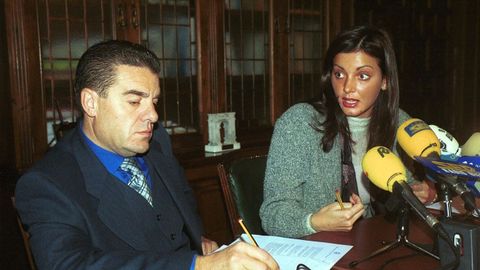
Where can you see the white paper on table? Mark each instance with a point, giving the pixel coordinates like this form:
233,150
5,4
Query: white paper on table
289,252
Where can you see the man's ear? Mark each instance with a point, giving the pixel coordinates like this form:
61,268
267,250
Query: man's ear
89,101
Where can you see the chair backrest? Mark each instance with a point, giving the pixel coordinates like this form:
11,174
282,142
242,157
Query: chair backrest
25,237
242,185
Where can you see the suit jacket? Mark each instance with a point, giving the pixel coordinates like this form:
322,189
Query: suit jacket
79,216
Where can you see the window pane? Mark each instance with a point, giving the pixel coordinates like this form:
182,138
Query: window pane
246,43
67,28
169,32
306,24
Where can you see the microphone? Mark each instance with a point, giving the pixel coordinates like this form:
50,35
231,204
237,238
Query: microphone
419,141
472,183
449,146
472,161
422,145
386,171
472,145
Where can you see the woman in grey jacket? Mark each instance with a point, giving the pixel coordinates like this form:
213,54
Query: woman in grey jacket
317,147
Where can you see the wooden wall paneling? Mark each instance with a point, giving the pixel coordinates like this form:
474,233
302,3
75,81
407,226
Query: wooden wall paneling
30,136
338,16
211,207
210,55
465,65
476,69
127,20
278,41
438,52
422,42
347,17
458,28
7,161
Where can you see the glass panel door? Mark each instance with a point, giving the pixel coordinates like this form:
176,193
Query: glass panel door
246,61
66,30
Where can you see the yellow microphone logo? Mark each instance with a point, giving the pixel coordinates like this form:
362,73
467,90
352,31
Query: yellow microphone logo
416,126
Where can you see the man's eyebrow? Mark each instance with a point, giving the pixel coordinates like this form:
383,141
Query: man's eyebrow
135,92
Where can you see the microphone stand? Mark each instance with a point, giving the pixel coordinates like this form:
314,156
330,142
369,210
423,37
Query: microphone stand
447,200
402,232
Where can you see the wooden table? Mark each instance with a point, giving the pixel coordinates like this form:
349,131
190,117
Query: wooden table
367,236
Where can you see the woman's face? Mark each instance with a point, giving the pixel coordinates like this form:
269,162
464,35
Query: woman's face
357,80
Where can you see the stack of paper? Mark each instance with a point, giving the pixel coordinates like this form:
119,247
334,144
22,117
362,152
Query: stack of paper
289,253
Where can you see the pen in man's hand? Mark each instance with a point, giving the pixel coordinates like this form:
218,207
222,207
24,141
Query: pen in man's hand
247,232
339,199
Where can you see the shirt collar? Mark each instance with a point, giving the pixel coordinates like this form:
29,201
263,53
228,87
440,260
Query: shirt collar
110,160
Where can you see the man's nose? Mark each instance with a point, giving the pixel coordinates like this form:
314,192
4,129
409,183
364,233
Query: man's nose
151,113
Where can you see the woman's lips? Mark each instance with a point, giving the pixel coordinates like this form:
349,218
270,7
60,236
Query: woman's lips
349,103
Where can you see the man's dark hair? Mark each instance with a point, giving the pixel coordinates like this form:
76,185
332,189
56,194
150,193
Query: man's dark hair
96,68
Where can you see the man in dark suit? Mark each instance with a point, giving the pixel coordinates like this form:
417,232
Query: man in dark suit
110,194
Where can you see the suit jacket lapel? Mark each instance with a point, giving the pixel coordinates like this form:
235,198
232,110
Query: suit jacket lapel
167,170
111,207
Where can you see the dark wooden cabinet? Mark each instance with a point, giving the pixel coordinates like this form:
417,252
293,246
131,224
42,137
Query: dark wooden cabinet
201,171
204,181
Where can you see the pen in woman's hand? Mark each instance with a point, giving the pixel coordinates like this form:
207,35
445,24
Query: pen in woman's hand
339,199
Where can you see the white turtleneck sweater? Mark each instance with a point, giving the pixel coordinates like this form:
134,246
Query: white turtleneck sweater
358,130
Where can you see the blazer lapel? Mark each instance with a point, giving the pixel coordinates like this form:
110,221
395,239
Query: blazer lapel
111,210
167,169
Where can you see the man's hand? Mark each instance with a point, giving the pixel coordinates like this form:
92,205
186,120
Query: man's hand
208,246
238,256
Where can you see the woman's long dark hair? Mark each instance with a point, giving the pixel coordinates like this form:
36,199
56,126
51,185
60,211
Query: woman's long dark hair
384,118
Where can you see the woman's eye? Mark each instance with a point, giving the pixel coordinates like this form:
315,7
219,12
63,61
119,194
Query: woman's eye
338,75
364,76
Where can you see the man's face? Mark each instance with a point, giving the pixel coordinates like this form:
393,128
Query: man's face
122,122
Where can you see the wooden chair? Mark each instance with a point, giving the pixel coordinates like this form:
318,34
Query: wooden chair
26,238
242,185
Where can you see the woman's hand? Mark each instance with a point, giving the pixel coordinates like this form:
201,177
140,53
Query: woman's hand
333,218
425,191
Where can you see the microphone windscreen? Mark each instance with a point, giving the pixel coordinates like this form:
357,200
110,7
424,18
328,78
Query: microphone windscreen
417,139
472,145
448,144
383,167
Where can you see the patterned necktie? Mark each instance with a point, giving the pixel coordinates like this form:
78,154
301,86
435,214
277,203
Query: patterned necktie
138,181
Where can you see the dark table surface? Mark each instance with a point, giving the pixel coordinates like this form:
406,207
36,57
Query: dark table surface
368,235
